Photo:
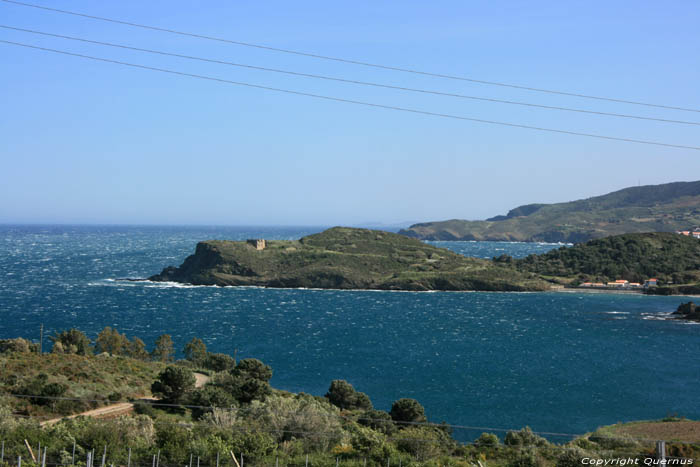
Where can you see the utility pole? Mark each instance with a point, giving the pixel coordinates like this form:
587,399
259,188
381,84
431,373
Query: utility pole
41,338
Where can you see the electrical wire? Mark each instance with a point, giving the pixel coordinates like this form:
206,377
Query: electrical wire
352,62
349,81
356,102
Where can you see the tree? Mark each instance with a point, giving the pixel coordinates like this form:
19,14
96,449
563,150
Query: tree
164,349
72,341
173,384
137,349
109,340
407,411
211,397
196,351
378,420
342,394
219,362
18,345
252,368
248,380
487,440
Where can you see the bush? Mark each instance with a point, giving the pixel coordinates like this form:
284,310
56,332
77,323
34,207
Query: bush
144,408
525,458
71,341
219,362
18,345
211,397
570,457
252,368
377,420
342,394
248,381
421,442
407,411
487,440
173,384
302,416
524,438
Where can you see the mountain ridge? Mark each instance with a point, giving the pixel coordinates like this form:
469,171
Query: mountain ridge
651,208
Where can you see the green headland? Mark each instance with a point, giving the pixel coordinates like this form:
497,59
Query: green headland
349,258
346,258
655,208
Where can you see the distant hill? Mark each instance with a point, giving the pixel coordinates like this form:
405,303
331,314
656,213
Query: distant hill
346,258
653,208
669,257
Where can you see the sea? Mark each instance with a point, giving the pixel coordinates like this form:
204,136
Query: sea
562,363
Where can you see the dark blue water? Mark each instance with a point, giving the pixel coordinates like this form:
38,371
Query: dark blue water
558,362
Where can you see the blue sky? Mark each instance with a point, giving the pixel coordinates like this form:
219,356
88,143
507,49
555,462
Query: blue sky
89,142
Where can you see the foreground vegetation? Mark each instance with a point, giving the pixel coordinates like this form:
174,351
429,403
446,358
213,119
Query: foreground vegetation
238,412
656,208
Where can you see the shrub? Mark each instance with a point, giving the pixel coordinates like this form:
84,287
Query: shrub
17,345
342,394
407,411
301,416
524,437
570,457
173,384
487,440
71,341
377,420
248,381
525,458
252,368
210,396
219,362
421,442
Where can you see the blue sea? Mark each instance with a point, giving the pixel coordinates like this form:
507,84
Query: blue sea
557,362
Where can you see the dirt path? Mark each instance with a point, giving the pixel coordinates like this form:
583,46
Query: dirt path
201,379
120,408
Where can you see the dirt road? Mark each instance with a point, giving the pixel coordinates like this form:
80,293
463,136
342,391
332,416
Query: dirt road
120,408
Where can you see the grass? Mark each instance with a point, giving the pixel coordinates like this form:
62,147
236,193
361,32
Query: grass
98,377
347,258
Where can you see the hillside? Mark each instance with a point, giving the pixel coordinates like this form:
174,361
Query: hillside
669,257
654,208
237,412
345,258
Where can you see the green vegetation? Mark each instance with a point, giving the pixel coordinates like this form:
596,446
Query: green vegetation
231,413
344,396
655,208
346,258
669,257
93,379
173,384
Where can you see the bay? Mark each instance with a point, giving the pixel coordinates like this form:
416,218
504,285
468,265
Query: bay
558,362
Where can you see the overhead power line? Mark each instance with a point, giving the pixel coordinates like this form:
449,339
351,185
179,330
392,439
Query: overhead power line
353,62
350,101
43,418
343,80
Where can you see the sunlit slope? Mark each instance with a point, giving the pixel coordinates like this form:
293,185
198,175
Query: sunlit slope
345,258
653,208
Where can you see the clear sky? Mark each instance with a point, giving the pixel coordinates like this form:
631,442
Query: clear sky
89,142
